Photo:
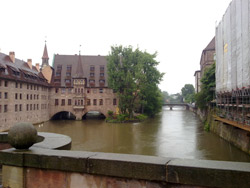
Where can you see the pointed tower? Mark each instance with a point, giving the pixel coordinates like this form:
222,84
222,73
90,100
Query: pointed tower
79,70
79,89
45,58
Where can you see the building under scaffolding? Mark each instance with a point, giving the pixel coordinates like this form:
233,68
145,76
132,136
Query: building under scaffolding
233,64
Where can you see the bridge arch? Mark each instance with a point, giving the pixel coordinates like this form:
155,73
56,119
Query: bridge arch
63,115
94,113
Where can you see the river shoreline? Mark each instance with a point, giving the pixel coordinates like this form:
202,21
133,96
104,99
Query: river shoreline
236,136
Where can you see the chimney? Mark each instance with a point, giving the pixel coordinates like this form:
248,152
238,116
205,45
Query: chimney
29,62
12,56
38,67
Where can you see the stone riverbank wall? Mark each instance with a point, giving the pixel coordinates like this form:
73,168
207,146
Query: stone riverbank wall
236,136
47,167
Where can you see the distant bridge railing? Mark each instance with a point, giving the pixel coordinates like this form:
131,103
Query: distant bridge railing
171,105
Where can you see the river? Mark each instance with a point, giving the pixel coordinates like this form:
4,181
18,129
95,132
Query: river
173,133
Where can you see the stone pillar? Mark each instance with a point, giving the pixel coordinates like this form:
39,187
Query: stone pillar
78,115
13,176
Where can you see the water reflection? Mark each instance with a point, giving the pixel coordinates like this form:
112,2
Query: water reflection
177,133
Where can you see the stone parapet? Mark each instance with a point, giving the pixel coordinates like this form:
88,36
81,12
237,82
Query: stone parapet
80,168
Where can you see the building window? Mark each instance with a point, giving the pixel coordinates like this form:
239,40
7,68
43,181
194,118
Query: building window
75,90
68,67
30,96
20,96
16,96
21,85
92,68
114,101
31,86
59,67
30,106
5,95
34,107
56,90
16,85
94,102
16,107
56,102
34,97
27,86
100,90
70,90
69,102
63,102
20,107
92,74
88,90
100,101
27,96
37,106
5,108
27,107
67,81
58,73
102,82
82,90
5,83
68,73
63,90
88,102
101,74
92,83
81,102
101,68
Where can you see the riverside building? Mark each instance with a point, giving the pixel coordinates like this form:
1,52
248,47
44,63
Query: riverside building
75,85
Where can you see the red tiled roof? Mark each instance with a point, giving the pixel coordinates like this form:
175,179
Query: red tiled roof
61,62
21,67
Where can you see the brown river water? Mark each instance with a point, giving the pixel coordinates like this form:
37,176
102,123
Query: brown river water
177,133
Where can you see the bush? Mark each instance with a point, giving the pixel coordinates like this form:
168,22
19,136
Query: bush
141,117
207,126
122,117
110,113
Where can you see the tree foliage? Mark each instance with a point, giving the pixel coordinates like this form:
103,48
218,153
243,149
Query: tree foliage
135,78
207,88
188,93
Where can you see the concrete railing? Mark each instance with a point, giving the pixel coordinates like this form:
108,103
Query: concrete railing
40,167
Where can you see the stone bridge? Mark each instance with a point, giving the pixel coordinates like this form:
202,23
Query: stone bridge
38,167
80,111
171,105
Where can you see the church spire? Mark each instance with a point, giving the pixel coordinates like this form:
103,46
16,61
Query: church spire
45,58
79,70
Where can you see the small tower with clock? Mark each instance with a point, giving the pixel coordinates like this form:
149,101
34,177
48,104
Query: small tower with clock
79,84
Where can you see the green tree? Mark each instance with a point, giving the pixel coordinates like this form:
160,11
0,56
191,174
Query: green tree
207,88
133,75
165,97
188,93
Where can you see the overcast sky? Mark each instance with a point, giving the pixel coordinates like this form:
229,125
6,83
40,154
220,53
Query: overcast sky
177,29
